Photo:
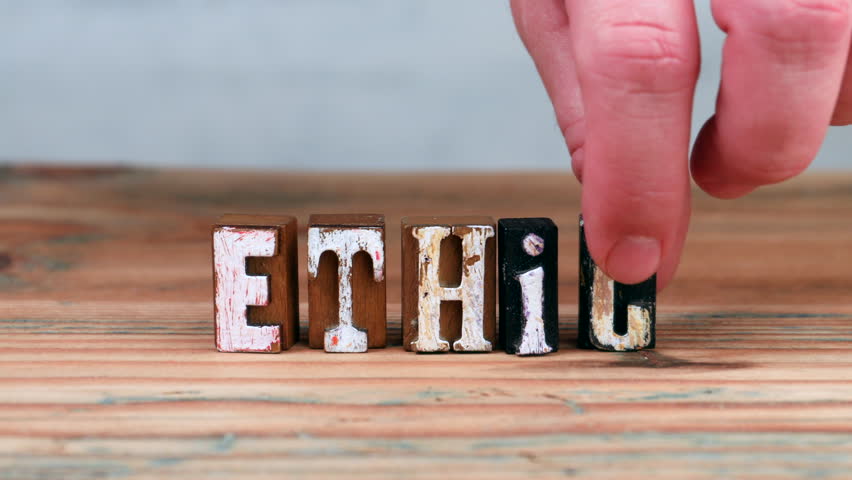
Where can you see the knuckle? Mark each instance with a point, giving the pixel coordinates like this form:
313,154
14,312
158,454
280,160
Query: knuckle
806,23
825,10
647,56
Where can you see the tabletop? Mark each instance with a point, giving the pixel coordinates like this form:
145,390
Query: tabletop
108,369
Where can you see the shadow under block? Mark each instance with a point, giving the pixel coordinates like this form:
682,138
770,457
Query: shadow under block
255,281
448,284
347,289
613,316
528,283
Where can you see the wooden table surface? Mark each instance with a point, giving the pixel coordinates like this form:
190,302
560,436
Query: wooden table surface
107,365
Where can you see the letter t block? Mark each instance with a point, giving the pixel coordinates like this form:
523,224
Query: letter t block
346,282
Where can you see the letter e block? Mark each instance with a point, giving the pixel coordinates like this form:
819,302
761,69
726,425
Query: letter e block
256,297
448,284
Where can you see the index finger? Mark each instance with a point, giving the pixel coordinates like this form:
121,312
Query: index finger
637,63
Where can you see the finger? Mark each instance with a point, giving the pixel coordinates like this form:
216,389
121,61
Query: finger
543,27
637,64
782,66
843,109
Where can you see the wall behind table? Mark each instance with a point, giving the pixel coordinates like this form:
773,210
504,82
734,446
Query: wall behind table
307,84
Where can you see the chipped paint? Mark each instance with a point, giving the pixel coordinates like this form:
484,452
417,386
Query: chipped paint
345,243
235,289
471,291
533,340
602,323
533,245
429,294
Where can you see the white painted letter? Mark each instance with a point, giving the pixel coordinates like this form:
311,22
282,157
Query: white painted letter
345,243
470,292
533,341
638,334
235,290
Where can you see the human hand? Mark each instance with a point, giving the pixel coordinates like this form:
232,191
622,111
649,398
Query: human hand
621,76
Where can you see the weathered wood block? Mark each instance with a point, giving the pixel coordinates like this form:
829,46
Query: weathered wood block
529,279
256,290
613,316
347,311
448,284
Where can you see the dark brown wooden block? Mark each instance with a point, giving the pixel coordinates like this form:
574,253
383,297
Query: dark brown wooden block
448,284
528,284
614,316
255,277
347,311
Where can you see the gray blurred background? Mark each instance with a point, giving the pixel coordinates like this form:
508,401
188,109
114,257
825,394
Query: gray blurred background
298,84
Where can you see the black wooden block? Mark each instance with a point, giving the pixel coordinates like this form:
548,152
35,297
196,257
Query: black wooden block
528,259
614,316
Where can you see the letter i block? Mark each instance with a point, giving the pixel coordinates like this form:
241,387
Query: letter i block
346,282
613,316
256,297
448,284
527,264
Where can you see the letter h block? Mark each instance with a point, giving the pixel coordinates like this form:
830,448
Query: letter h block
448,284
256,292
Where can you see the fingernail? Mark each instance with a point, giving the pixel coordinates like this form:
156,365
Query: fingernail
633,259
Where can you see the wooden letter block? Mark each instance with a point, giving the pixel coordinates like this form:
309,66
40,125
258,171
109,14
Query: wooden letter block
256,296
448,284
613,316
527,262
346,282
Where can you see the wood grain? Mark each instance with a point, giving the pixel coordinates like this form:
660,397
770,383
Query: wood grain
107,368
